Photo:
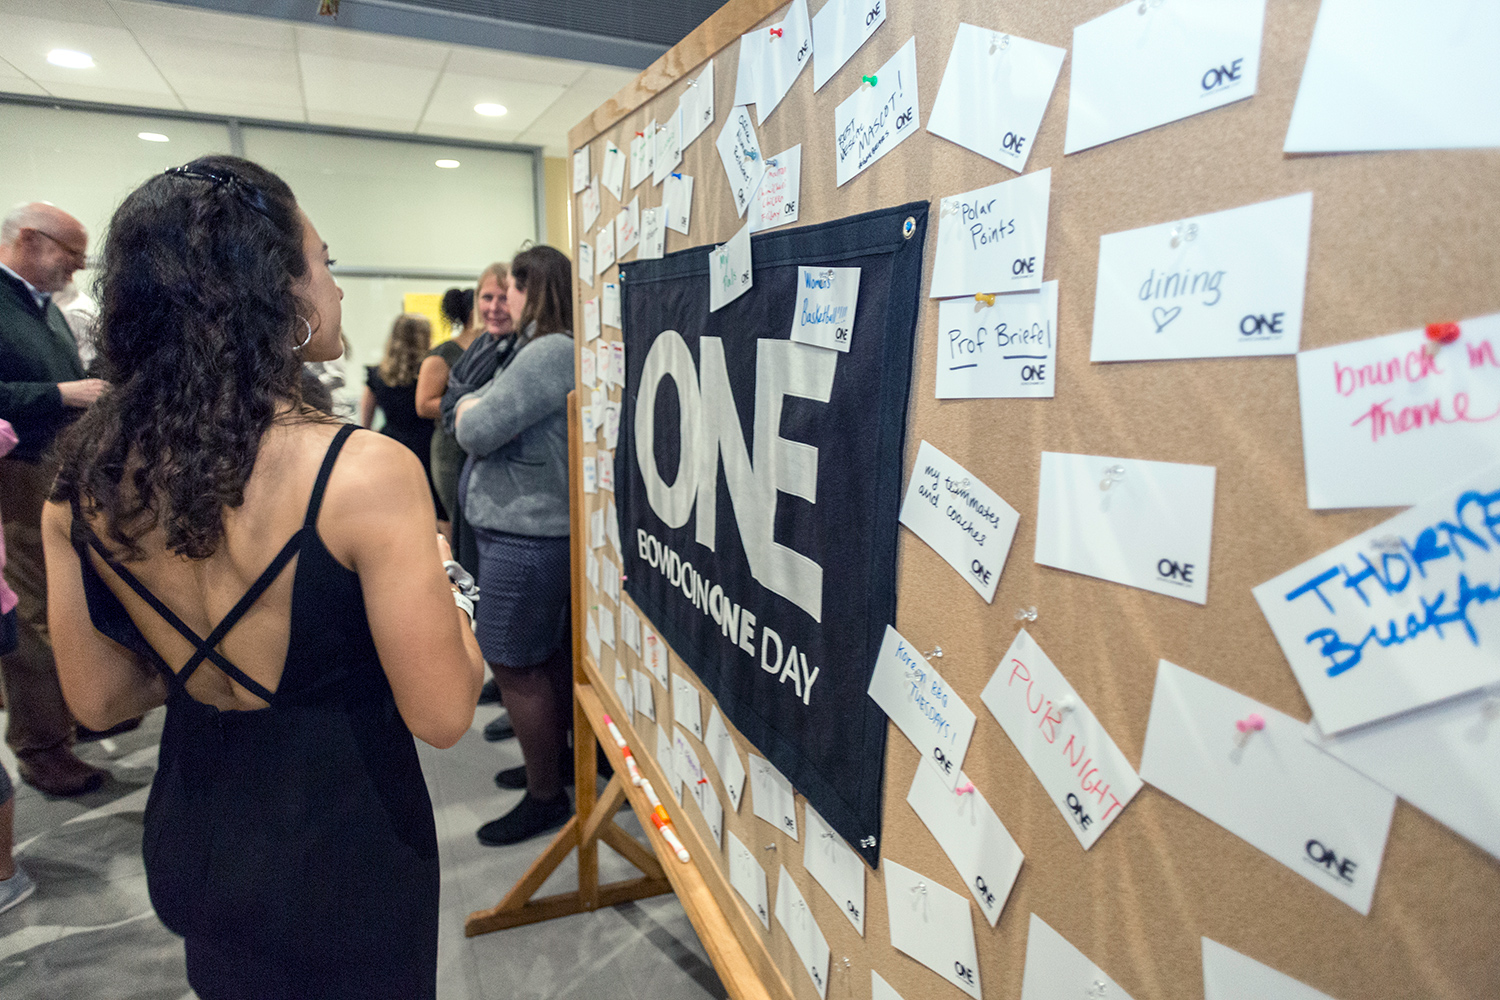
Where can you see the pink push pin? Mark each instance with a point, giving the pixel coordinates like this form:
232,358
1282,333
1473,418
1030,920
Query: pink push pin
1252,723
964,789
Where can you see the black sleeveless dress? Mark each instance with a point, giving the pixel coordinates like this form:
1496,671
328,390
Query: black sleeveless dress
293,847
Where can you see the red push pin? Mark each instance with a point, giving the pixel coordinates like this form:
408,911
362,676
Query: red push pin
640,135
775,32
1439,334
1252,723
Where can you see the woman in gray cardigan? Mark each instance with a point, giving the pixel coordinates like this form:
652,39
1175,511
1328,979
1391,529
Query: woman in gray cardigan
515,490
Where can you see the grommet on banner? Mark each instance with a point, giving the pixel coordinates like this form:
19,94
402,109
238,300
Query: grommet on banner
1439,334
1184,234
999,43
1026,614
870,81
908,227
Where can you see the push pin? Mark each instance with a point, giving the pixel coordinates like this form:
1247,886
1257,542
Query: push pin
964,789
867,842
1066,704
919,887
1152,4
936,653
640,135
1184,234
1439,334
770,847
1026,614
1249,725
678,176
1112,475
870,81
1097,991
776,32
999,43
1489,711
983,299
751,155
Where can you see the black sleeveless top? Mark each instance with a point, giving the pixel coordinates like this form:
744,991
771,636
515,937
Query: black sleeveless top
293,847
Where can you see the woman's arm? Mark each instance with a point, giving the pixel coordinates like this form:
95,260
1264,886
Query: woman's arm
432,382
367,408
535,386
379,516
103,682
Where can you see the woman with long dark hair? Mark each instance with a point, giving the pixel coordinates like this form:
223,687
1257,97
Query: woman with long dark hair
515,430
271,575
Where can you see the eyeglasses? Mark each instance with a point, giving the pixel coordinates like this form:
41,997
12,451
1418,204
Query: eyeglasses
77,256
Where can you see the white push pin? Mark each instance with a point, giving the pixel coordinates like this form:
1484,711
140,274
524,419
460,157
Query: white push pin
1066,704
999,43
936,653
1026,614
1112,475
1184,234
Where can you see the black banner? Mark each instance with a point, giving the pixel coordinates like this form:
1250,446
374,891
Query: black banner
758,482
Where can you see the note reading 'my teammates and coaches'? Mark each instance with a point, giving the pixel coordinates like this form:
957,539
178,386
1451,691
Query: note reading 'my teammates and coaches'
964,521
878,116
839,28
1385,421
1005,350
1400,616
993,239
1214,286
932,925
922,705
972,836
994,91
1143,65
1269,787
1085,775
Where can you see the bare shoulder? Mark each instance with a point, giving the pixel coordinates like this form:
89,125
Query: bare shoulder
377,484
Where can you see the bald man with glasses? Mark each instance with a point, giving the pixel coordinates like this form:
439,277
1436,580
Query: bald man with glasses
42,389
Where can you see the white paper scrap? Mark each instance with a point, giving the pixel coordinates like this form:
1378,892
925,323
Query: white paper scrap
797,920
586,263
591,634
839,28
645,695
653,234
614,170
642,154
922,705
875,119
686,707
668,153
836,867
771,796
786,48
777,200
826,301
697,106
610,310
726,758
993,239
628,227
665,760
590,473
580,169
994,91
590,332
964,521
604,249
630,625
731,271
1055,970
677,200
748,878
589,202
656,657
880,989
623,690
972,836
739,152
701,790
1005,350
1228,975
932,925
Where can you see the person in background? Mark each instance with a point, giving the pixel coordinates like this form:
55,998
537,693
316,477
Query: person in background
392,384
82,314
42,391
15,884
447,458
515,495
289,837
332,375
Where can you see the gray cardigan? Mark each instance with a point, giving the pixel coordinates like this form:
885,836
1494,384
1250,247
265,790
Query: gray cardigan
517,435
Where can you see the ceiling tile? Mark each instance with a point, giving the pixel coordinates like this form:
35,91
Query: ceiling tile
461,131
510,66
349,86
118,60
197,68
96,12
598,85
20,85
456,94
366,46
151,21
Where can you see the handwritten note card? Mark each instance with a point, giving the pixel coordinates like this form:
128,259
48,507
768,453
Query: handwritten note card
630,627
786,48
777,199
739,152
797,920
726,758
580,169
596,529
1085,775
1403,615
922,706
1384,423
590,204
697,106
590,473
1151,528
964,521
586,415
591,634
772,797
645,695
1214,286
1228,975
972,836
664,760
1139,67
1055,970
1005,350
826,301
731,272
611,421
699,788
993,94
686,708
642,154
586,263
628,227
875,119
932,925
609,310
668,153
604,249
655,657
836,867
614,170
839,28
653,234
677,201
1323,820
607,626
748,878
623,690
993,239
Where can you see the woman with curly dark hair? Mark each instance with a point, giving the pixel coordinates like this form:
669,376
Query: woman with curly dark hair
207,548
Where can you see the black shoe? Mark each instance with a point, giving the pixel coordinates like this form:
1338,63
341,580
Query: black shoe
490,693
512,777
499,728
528,819
86,735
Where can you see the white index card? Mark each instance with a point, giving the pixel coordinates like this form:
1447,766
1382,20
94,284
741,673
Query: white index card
748,878
1055,970
784,50
628,227
604,249
586,263
836,867
589,202
699,788
826,301
665,760
668,153
677,200
1384,423
1150,528
591,569
993,239
1226,284
739,152
1393,619
607,626
964,521
972,836
614,169
642,154
609,308
922,705
645,695
580,169
778,198
586,416
596,529
1369,84
591,634
1083,772
1136,67
932,925
697,106
839,28
630,626
797,920
731,270
1005,350
587,363
686,705
726,758
874,120
590,473
653,234
611,421
771,796
591,332
1270,787
1228,975
880,989
994,91
655,657
623,690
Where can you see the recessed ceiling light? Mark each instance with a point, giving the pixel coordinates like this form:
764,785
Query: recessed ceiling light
70,59
490,110
447,164
152,137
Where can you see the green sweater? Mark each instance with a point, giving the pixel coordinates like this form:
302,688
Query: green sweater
37,351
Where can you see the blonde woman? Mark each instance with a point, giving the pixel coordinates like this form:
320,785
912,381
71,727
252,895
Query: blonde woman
391,386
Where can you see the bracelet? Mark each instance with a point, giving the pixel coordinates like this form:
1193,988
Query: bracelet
466,605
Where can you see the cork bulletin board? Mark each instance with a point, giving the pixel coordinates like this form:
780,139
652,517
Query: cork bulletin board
1398,240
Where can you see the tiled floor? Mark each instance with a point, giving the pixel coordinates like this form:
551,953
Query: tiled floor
90,932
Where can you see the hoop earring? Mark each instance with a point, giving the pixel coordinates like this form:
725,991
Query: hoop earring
307,339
